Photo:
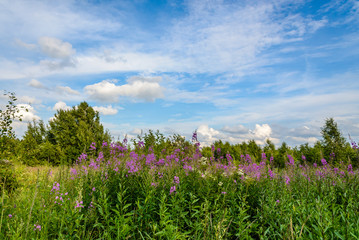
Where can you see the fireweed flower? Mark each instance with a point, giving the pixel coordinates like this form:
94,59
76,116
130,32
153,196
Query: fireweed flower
176,180
37,227
224,193
291,160
173,190
10,216
315,165
350,168
287,180
79,205
93,146
324,162
194,136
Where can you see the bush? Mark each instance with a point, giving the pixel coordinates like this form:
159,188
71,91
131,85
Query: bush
8,179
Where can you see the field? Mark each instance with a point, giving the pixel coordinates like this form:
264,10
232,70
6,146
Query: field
122,194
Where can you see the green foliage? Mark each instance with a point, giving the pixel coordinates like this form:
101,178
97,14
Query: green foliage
37,149
333,141
74,130
8,179
7,134
111,203
68,134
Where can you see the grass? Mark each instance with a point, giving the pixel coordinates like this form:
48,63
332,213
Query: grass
133,195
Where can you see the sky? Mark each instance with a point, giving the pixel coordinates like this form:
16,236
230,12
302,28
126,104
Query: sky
232,70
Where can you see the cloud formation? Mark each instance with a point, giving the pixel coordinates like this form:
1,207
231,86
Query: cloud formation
236,134
109,110
67,90
137,88
60,53
27,113
61,106
36,84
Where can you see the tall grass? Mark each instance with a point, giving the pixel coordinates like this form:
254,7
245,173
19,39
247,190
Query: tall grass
133,195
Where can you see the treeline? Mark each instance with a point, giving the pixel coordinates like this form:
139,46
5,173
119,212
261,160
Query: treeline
71,132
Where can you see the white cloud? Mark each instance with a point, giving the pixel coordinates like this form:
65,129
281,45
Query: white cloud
144,88
61,106
61,53
55,48
236,134
302,140
27,112
36,84
29,100
109,110
67,90
28,46
207,135
262,131
235,129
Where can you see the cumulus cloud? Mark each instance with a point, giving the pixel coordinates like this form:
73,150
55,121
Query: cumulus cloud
27,113
109,110
143,88
236,134
61,106
207,134
36,84
67,90
262,131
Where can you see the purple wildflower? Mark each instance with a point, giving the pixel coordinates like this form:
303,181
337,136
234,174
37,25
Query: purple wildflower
93,146
194,136
37,227
287,180
173,189
10,216
291,160
324,162
79,205
176,180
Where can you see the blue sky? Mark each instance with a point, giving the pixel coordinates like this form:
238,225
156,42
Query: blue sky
233,70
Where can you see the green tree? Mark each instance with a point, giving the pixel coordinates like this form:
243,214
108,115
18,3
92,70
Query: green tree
254,150
7,134
333,141
74,130
36,148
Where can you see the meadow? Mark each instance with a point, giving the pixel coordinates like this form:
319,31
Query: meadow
114,193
